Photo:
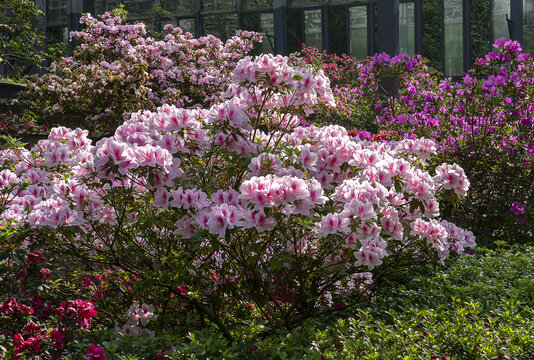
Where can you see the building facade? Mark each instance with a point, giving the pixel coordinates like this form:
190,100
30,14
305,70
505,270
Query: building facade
451,33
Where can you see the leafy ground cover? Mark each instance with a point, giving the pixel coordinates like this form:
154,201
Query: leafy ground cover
476,307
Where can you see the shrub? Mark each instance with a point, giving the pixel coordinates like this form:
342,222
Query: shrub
117,70
236,210
485,125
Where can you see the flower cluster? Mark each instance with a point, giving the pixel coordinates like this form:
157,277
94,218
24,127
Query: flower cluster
484,119
78,310
118,70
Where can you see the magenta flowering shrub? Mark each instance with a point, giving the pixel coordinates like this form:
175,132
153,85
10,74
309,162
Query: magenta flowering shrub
118,70
484,124
236,202
367,89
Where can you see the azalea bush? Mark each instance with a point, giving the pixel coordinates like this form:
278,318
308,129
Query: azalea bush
118,70
484,124
35,320
366,89
236,210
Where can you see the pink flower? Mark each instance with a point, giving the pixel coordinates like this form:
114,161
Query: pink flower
34,257
147,314
31,328
333,223
44,273
260,221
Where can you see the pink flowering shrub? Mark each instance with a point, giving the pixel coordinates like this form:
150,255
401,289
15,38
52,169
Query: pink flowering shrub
238,202
118,70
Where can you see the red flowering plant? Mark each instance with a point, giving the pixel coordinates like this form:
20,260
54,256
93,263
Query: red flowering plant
15,124
33,323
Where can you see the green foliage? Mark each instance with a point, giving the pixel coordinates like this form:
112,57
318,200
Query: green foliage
480,307
432,32
21,41
119,11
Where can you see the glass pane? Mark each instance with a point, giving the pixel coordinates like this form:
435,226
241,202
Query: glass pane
267,29
313,30
89,7
98,7
179,8
480,29
358,32
500,26
171,21
407,28
56,12
257,4
139,8
295,38
187,25
218,5
431,46
57,34
528,26
454,39
223,26
301,3
337,23
349,2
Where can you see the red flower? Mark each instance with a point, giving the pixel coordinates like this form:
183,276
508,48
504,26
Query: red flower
95,353
31,328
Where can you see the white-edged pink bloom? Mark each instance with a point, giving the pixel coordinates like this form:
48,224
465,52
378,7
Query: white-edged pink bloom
362,210
371,253
146,314
308,158
264,164
259,220
452,177
333,223
161,198
223,217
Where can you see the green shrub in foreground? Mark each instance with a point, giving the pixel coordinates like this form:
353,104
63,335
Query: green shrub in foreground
479,307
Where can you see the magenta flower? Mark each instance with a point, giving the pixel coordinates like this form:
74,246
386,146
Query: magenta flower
517,208
95,353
